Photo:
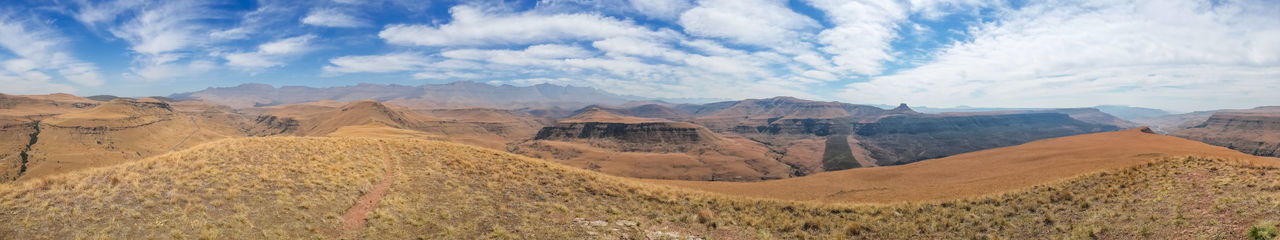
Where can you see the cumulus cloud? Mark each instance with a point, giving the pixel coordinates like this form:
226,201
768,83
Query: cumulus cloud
661,9
766,23
160,33
393,62
330,17
1174,54
473,27
271,54
37,53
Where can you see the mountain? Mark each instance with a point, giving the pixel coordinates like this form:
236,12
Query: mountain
645,110
1094,116
1132,113
600,140
1175,122
823,136
451,95
1121,185
1254,131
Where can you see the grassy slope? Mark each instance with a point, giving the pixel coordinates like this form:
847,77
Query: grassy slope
299,187
976,173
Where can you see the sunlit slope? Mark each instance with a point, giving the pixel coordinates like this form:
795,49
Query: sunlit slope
113,132
303,187
982,172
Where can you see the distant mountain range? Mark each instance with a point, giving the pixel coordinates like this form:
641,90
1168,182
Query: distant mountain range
451,95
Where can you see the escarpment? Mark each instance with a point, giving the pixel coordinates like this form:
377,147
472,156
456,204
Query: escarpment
114,132
1256,133
905,139
115,115
652,148
643,133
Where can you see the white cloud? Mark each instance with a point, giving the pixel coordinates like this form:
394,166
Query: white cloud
330,17
394,62
536,55
625,46
38,52
161,33
860,42
766,23
271,54
472,27
1174,54
661,9
162,28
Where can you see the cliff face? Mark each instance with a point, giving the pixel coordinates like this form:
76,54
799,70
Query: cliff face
905,139
600,140
760,115
637,133
1252,133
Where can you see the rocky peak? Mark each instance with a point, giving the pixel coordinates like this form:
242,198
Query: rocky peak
902,107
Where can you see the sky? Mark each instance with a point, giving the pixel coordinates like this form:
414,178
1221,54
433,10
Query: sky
1179,55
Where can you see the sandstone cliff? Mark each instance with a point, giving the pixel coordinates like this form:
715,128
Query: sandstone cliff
1254,132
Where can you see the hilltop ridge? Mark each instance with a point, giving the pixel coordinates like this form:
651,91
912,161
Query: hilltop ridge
290,187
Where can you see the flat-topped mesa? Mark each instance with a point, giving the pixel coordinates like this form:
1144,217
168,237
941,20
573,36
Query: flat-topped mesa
651,148
1255,131
787,115
595,123
118,113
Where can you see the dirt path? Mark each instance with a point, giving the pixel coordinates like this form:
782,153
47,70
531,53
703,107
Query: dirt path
184,140
354,220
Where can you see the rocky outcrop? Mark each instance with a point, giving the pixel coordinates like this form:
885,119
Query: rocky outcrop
267,125
787,115
627,133
636,133
599,140
905,139
1256,133
116,115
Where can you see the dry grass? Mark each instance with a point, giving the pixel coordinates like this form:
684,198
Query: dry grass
245,188
298,188
977,173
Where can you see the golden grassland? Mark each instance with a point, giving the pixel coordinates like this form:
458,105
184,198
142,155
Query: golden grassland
289,187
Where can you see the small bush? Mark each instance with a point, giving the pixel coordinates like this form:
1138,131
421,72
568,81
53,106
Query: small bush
1263,231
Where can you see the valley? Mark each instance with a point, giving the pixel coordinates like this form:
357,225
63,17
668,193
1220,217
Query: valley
757,168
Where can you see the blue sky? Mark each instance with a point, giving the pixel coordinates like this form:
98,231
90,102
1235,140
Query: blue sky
1173,54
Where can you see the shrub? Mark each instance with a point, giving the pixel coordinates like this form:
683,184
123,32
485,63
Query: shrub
1263,231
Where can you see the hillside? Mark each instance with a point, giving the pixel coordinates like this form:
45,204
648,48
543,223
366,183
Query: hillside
110,133
976,173
599,140
1132,113
321,119
905,139
1255,131
727,116
309,187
